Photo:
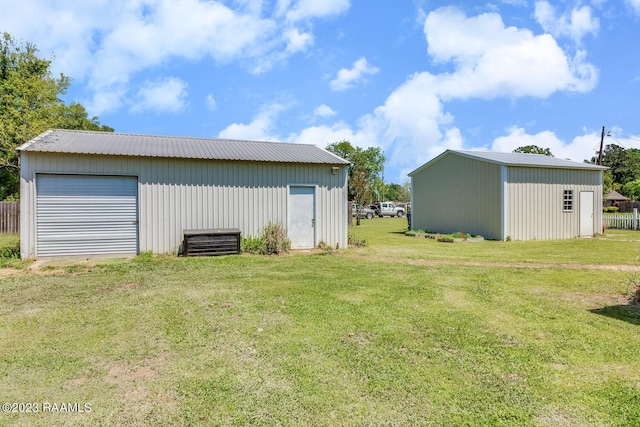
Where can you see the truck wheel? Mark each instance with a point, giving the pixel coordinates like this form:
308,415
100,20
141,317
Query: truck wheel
369,215
400,213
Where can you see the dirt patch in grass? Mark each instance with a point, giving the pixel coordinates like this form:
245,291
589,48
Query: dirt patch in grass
120,374
128,286
77,382
125,374
9,272
555,417
595,300
136,384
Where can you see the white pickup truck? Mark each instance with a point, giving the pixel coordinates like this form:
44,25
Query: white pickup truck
389,209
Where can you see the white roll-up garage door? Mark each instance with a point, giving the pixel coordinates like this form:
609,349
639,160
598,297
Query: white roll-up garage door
86,215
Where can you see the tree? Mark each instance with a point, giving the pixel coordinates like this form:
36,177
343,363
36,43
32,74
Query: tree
607,183
364,171
533,149
397,192
30,104
632,190
624,164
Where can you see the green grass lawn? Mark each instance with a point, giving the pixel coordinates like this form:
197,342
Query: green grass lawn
7,239
379,335
605,249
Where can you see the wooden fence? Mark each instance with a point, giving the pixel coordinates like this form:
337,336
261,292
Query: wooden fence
628,207
9,217
627,221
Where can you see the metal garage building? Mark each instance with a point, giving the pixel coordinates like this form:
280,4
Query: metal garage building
505,196
97,193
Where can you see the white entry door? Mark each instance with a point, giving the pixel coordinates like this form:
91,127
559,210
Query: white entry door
586,213
302,219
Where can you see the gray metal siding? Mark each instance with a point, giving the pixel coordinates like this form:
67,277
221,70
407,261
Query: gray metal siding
535,202
457,194
179,194
86,215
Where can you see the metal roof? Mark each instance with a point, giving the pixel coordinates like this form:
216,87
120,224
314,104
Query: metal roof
516,159
122,144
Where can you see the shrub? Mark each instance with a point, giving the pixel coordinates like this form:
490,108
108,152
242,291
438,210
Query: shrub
326,249
354,242
11,251
611,209
414,232
252,244
275,240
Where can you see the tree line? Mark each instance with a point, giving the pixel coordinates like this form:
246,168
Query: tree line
30,103
623,174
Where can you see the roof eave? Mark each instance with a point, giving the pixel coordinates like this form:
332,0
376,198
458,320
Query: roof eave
495,162
79,153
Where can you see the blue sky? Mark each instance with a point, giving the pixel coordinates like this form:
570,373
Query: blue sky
412,77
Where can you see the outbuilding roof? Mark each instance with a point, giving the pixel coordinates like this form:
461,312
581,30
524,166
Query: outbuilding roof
614,195
515,159
123,144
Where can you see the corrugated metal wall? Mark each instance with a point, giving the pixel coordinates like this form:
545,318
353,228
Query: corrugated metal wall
177,194
535,202
457,194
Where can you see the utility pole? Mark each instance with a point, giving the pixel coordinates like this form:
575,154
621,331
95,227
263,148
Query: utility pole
601,144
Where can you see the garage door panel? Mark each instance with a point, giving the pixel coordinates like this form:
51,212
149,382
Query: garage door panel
114,234
62,217
80,215
99,248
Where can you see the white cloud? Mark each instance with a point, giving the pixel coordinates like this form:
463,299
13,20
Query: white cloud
487,60
492,60
635,4
162,96
305,9
324,111
575,25
253,6
349,78
140,39
106,43
580,148
324,135
259,129
210,102
297,41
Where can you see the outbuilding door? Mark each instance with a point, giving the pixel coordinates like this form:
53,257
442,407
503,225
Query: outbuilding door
586,213
302,220
86,215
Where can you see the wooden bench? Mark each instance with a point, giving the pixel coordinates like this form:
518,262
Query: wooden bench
211,242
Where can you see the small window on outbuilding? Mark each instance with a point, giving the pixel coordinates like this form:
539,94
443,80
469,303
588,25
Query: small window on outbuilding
567,200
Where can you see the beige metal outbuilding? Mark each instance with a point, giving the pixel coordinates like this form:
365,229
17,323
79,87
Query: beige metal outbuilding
507,196
97,193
